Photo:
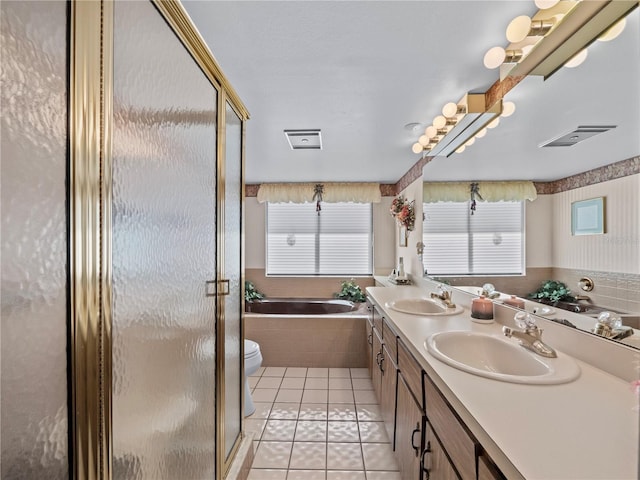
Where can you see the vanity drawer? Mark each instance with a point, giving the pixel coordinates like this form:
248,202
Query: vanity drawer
411,372
452,434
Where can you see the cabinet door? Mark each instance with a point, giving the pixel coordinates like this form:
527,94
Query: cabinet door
487,470
376,372
369,327
388,397
435,464
410,423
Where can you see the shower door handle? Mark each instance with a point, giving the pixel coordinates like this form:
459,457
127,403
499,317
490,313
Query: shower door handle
224,287
210,288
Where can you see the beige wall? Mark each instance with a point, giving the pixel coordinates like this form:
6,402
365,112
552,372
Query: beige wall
618,250
412,262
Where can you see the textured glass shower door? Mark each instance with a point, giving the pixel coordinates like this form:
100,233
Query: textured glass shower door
164,253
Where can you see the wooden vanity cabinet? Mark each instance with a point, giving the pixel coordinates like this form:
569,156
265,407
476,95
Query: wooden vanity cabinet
435,464
410,423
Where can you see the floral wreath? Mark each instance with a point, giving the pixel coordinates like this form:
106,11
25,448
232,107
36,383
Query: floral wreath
404,212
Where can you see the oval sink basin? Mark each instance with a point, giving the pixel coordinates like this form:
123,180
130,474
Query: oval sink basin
501,359
422,306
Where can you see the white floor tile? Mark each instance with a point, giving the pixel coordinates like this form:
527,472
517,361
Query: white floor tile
369,413
340,384
309,456
285,395
316,383
269,382
360,373
383,475
373,432
262,410
339,373
272,455
311,431
255,426
365,396
292,382
253,381
279,430
266,474
344,456
342,432
313,411
317,372
297,372
274,372
315,396
345,475
379,456
362,384
341,396
284,411
306,475
264,394
342,412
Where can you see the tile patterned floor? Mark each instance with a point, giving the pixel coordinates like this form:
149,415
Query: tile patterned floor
318,424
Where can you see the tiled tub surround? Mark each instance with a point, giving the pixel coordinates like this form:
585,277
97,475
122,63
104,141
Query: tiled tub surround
545,431
310,340
318,424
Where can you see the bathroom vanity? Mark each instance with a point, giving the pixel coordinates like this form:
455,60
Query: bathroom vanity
446,423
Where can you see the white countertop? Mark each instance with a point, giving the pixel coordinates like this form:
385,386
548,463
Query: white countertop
586,429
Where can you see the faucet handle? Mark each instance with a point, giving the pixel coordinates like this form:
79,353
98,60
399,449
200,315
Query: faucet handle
525,321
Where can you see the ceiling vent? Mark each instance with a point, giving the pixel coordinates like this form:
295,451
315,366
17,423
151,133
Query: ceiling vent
579,134
304,139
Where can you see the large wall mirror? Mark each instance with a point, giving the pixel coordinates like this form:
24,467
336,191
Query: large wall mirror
601,91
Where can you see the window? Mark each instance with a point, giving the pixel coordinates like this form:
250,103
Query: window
336,242
489,242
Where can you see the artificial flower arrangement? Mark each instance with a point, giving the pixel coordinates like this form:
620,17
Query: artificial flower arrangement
404,212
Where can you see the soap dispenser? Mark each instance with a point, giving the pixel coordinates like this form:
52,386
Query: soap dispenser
401,274
482,310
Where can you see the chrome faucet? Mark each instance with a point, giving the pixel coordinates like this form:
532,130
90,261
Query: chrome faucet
444,296
531,337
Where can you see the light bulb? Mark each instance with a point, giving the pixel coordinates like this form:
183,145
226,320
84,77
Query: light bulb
518,29
577,59
481,133
470,142
460,149
494,57
494,123
423,140
431,131
545,4
450,109
439,122
614,31
416,148
507,109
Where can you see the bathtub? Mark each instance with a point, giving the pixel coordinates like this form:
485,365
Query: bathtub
312,332
301,306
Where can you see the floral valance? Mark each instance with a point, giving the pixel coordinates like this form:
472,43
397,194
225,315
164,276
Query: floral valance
488,191
331,192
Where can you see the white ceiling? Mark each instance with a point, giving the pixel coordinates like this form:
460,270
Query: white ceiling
361,70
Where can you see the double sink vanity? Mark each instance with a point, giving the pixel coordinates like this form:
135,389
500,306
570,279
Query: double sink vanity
463,400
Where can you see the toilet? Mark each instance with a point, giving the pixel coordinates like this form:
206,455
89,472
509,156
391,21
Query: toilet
252,362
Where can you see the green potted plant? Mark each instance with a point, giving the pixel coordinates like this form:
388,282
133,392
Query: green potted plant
552,292
351,291
251,293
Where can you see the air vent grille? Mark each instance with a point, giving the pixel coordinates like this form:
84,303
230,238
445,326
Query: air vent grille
304,139
578,135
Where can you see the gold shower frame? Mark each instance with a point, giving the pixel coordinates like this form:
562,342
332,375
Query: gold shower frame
90,122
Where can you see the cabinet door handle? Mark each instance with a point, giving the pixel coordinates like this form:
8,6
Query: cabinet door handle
378,358
381,362
425,469
370,339
413,435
